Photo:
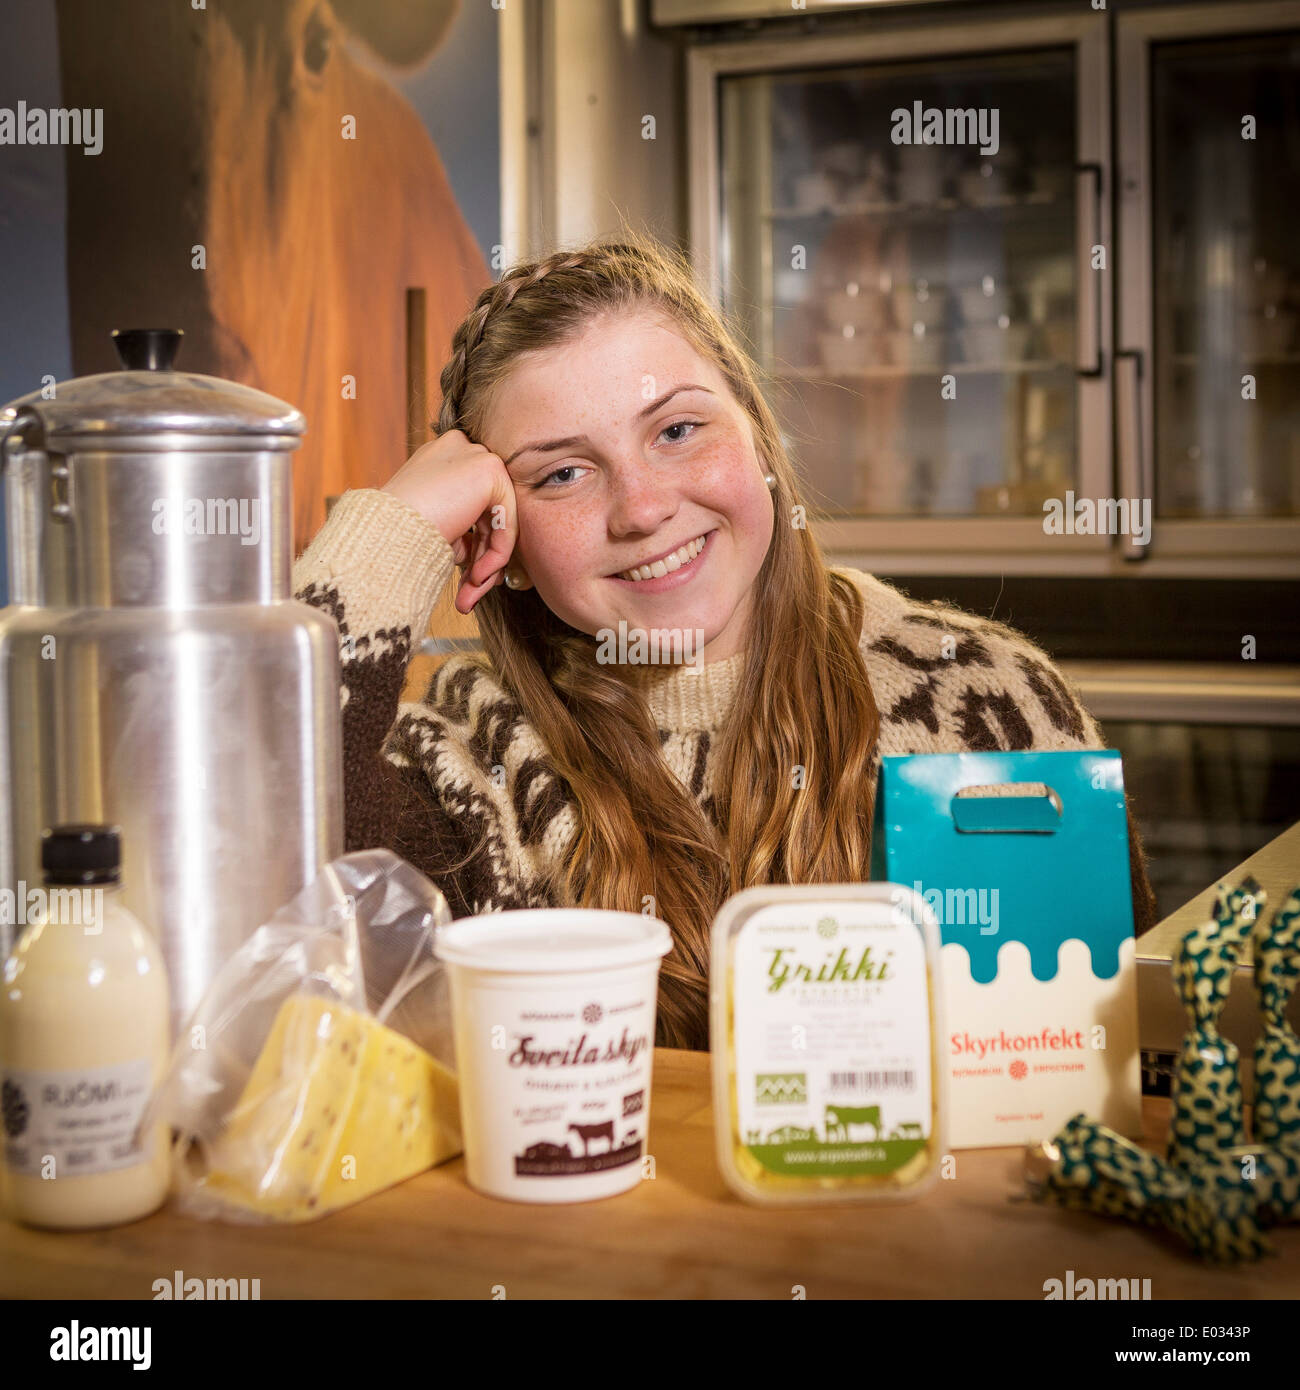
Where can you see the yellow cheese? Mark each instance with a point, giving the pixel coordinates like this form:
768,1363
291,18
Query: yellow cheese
337,1107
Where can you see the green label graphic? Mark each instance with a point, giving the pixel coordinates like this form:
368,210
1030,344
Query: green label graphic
780,1088
854,1143
807,1157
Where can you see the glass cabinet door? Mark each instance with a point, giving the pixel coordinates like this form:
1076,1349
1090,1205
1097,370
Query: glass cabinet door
900,244
1225,187
1208,796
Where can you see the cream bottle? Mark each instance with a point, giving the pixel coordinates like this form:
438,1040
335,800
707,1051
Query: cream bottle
84,1039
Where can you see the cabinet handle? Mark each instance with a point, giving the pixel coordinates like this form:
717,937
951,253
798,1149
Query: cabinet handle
1134,481
1087,234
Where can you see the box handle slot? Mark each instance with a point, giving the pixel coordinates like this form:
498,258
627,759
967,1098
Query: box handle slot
1007,808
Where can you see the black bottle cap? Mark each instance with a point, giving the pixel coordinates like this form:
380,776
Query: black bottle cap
82,854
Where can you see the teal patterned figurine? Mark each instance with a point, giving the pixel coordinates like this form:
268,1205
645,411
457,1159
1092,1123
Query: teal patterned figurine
1219,1206
1207,1083
1276,1115
1214,1191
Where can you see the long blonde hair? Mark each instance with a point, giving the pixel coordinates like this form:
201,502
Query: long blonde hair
793,758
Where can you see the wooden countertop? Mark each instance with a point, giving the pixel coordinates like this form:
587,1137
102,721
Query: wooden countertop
680,1235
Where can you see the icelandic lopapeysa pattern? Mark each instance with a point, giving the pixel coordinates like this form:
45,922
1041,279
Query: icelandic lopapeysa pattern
972,684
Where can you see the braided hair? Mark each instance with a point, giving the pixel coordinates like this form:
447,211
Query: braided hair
498,297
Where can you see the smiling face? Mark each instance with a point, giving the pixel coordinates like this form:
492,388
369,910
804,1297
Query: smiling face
649,452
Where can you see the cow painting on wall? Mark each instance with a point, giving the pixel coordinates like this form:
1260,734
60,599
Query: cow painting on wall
264,186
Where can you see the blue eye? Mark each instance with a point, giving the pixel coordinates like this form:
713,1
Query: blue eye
542,482
691,425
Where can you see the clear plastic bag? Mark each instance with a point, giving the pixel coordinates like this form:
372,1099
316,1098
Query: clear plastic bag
319,1066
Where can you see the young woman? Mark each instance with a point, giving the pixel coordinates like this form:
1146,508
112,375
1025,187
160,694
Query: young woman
597,416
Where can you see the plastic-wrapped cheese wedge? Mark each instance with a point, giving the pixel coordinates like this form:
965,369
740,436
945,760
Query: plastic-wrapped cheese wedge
337,1107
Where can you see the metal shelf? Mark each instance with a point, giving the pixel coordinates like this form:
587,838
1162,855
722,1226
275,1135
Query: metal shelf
1195,692
938,208
1263,359
887,372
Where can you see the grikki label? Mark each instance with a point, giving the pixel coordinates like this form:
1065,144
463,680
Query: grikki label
832,1036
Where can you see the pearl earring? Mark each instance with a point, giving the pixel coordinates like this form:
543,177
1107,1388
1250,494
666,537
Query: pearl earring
511,581
770,480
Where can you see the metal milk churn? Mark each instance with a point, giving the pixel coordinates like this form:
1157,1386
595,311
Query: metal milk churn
155,670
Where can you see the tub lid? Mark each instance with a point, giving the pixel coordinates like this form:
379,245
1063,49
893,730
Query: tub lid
149,397
552,940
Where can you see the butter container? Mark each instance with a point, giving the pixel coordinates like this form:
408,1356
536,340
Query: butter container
827,1020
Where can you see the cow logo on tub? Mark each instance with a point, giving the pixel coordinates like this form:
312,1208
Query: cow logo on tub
589,1148
592,1143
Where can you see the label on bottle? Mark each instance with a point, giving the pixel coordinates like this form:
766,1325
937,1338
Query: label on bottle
67,1124
833,1040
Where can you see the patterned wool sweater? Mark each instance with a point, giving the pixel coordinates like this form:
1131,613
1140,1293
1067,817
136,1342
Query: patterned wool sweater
419,776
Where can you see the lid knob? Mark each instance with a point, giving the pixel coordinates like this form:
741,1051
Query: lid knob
147,349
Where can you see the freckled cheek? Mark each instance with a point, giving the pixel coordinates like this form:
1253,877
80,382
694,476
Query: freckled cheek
558,541
732,484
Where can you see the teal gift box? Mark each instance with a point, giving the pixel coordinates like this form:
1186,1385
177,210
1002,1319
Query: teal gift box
1024,859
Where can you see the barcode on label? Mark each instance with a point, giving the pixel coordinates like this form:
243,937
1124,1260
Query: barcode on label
873,1081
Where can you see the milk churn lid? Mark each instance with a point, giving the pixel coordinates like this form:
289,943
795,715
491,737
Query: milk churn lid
148,398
